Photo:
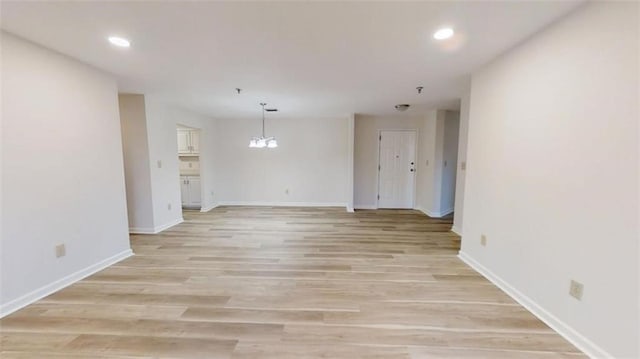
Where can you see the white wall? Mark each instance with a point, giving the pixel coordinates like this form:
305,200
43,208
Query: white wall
552,175
449,161
62,172
351,136
366,153
437,152
431,132
162,122
311,162
133,121
462,161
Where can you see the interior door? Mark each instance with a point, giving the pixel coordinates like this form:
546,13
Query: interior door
396,169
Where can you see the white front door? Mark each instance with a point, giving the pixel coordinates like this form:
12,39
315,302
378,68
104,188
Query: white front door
397,169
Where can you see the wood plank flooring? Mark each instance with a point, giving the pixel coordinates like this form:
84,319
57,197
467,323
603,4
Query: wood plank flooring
259,282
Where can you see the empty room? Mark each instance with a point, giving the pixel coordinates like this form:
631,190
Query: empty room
320,179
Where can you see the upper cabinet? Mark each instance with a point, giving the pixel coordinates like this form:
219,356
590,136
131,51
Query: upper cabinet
188,142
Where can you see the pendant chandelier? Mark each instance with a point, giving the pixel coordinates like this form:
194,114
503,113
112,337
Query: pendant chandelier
263,141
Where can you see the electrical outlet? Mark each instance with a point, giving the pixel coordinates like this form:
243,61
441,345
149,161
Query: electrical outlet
445,163
483,240
212,193
426,163
463,166
169,206
61,251
576,289
286,191
159,164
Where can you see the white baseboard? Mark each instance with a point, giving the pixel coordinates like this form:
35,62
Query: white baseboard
161,228
141,230
364,206
208,208
350,209
456,230
281,204
23,301
570,334
155,230
434,214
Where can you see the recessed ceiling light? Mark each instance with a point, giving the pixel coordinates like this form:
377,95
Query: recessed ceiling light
119,41
443,33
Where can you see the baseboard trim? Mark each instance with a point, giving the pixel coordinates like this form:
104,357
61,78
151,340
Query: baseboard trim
207,209
456,230
155,230
435,214
281,204
59,284
141,230
570,334
350,209
364,206
161,228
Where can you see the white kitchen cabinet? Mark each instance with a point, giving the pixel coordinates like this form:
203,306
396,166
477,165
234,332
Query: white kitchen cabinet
183,141
188,142
189,166
190,191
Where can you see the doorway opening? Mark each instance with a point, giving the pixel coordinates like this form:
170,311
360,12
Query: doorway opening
189,167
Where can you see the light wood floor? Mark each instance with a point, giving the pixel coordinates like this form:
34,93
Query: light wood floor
243,282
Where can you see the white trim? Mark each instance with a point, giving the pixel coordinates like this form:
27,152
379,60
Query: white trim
161,228
456,230
435,214
282,204
48,289
141,230
570,334
350,209
155,230
207,209
446,212
365,206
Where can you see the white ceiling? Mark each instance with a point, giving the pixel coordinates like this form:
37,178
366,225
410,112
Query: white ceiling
305,58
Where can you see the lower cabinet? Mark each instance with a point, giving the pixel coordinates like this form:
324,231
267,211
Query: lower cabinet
190,191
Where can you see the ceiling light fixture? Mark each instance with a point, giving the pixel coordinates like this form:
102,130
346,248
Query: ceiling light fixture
443,34
119,41
263,141
402,107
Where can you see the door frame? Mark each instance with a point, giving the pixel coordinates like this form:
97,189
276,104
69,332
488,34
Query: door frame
415,181
181,125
